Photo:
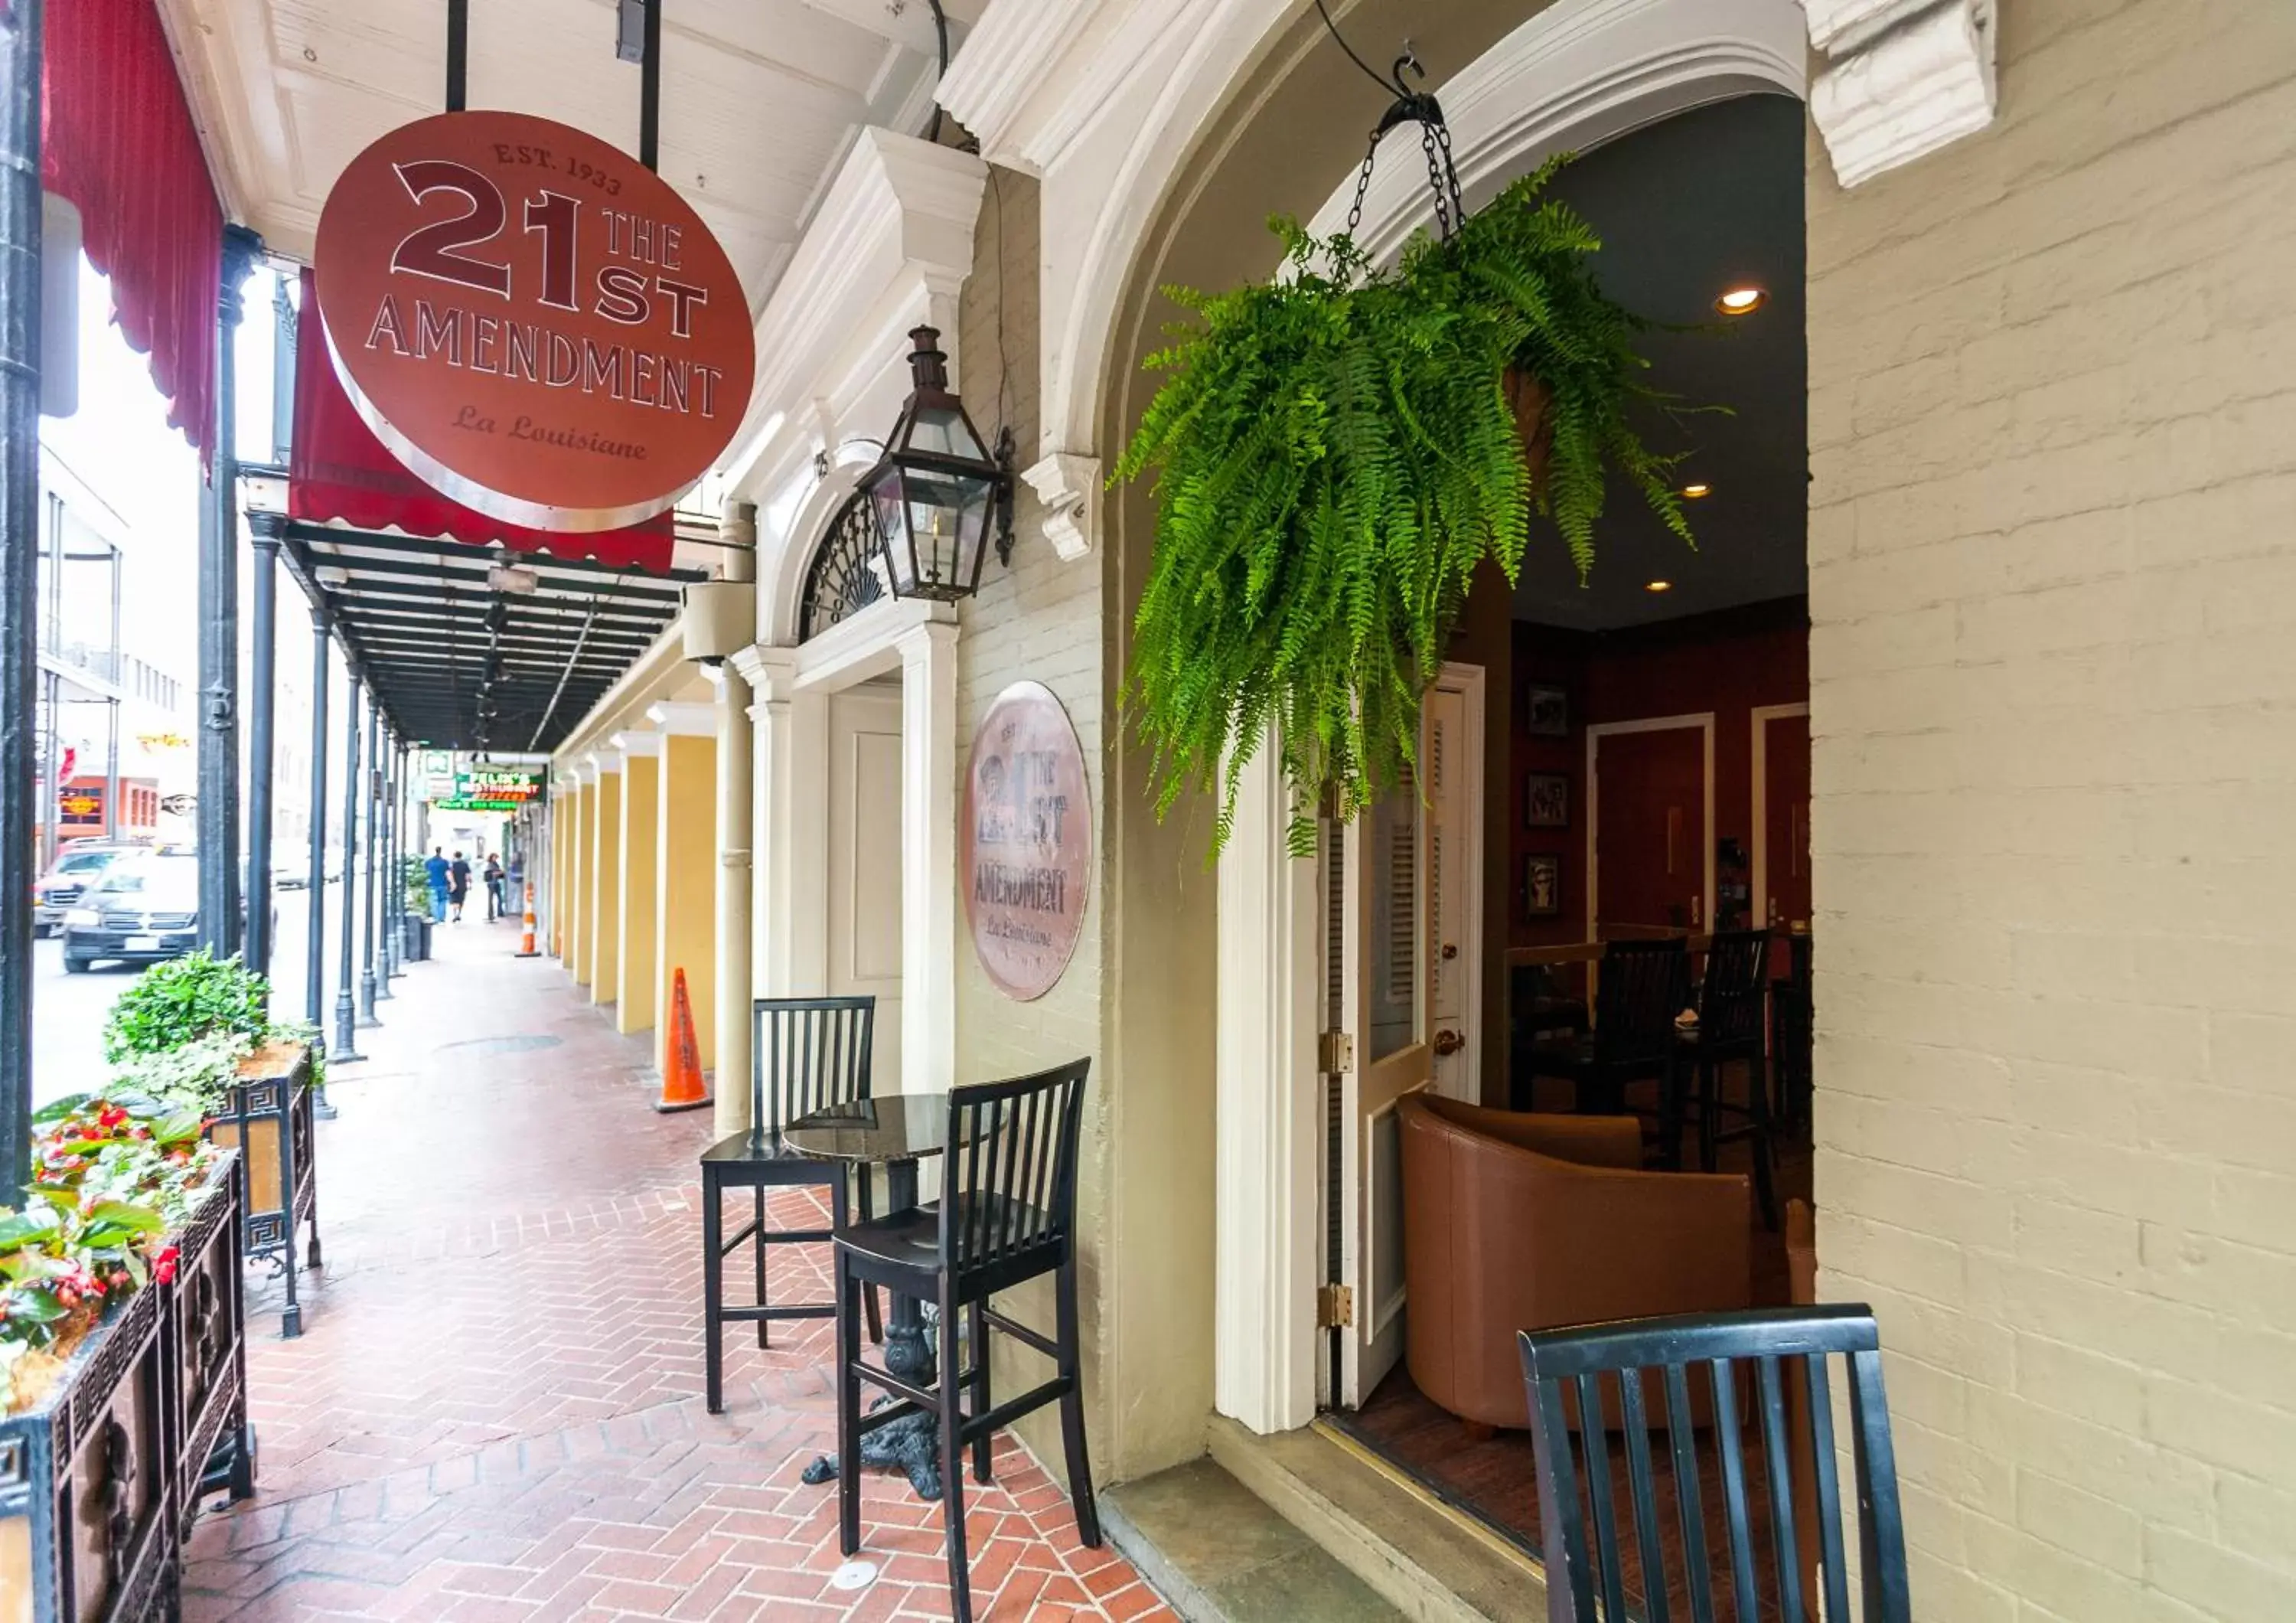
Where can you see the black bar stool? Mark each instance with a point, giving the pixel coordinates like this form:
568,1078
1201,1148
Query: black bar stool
805,1054
1007,1214
1731,1006
1643,986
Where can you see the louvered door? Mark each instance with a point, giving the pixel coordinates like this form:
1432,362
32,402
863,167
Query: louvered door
1406,889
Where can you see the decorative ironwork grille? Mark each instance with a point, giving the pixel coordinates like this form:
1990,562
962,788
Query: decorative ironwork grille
842,579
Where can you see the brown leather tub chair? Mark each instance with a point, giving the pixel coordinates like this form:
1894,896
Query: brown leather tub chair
1514,1220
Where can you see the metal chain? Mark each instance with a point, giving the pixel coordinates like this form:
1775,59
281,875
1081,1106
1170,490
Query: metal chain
1363,185
1442,174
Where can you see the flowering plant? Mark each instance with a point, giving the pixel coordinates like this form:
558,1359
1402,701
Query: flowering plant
110,1178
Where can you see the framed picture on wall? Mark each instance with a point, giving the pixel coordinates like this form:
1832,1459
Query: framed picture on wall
1547,800
1542,885
1547,711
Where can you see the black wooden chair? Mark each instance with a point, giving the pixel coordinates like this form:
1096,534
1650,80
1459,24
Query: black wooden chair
1643,985
1732,1002
1007,1214
805,1054
1585,1371
1792,1031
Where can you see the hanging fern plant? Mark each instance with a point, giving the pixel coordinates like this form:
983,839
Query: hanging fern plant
1334,453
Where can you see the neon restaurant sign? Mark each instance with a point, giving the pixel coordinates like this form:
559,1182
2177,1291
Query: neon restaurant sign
492,789
532,321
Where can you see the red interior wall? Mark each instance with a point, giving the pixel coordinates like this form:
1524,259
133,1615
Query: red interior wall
1728,662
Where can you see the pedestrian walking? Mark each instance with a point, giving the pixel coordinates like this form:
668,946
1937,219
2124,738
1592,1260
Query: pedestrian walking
458,886
495,907
435,870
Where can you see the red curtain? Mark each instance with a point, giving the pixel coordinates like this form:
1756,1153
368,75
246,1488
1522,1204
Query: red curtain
338,472
117,138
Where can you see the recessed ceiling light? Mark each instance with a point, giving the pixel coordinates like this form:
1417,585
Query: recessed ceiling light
1741,300
1659,586
1694,491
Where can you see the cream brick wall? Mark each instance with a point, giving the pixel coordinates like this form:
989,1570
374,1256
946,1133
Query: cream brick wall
2053,593
1037,621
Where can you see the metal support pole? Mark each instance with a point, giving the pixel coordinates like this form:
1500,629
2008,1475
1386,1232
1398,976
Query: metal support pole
650,89
20,571
394,887
458,53
344,1049
371,797
112,830
267,530
218,800
315,947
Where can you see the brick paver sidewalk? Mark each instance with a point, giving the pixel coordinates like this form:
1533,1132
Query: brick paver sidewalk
495,1412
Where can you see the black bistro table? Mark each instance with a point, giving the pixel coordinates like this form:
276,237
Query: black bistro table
895,1132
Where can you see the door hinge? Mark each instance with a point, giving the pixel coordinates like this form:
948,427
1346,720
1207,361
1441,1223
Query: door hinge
1335,1306
1335,1053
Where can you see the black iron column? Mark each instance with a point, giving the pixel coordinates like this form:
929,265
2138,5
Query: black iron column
393,885
20,571
344,1049
370,796
315,947
218,602
267,530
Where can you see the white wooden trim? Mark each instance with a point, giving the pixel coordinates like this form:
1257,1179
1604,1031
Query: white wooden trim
687,719
1702,719
1757,907
1572,76
928,656
1269,1113
869,644
1472,683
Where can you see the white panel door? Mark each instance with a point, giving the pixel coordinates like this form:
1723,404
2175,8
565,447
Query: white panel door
865,865
1381,1058
1450,762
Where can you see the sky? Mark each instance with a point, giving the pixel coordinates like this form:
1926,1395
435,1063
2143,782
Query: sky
120,444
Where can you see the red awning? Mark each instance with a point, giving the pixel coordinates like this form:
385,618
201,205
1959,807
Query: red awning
118,140
339,472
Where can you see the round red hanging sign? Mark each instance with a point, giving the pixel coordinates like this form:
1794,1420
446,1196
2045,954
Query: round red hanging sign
1026,841
531,320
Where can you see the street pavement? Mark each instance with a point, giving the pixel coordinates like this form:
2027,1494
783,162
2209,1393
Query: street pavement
69,1010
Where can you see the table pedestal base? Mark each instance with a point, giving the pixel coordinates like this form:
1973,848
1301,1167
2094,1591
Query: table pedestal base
910,1444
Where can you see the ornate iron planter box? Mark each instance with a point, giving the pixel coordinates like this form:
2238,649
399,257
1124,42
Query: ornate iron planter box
100,1479
267,1113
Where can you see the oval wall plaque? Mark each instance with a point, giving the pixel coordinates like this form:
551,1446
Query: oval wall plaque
533,322
1026,841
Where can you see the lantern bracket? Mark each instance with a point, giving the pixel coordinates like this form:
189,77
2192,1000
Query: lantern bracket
1006,494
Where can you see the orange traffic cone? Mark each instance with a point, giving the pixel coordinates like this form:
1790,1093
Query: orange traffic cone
682,1087
526,941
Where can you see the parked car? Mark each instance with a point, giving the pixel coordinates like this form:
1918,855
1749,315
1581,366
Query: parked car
79,865
144,910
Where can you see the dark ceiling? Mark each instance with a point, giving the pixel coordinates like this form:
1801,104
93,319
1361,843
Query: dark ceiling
1706,200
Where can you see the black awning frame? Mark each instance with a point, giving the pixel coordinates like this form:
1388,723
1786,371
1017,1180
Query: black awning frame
456,663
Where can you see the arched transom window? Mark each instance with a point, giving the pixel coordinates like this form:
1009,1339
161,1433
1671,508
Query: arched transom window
843,579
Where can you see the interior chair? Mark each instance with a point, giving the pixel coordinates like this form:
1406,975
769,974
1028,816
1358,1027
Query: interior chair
1755,1547
1732,1000
805,1054
1512,1220
1006,1215
1642,985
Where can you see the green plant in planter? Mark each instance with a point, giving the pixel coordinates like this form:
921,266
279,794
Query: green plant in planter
173,1003
193,1076
1336,454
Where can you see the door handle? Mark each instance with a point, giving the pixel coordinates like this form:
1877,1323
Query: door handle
1447,1043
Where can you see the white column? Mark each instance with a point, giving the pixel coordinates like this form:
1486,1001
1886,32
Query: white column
790,734
733,955
1267,1116
929,858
